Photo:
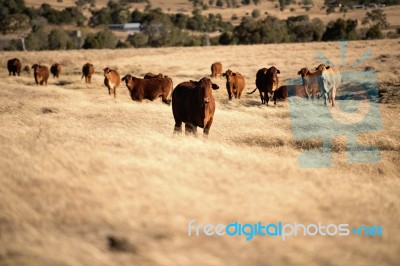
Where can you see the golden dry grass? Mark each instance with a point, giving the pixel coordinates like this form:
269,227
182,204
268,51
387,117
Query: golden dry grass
78,166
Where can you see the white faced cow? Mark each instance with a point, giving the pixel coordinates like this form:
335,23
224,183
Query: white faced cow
329,80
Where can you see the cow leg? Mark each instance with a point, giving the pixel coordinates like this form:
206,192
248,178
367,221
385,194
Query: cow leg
115,92
333,94
262,97
165,99
178,127
207,127
266,98
229,92
189,129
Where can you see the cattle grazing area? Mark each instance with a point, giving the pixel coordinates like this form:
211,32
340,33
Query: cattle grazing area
91,179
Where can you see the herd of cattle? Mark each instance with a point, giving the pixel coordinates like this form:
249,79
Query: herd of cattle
192,101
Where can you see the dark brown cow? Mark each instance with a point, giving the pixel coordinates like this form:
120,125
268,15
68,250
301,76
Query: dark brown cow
194,105
216,69
150,89
87,72
267,81
111,80
14,66
41,74
234,83
152,76
55,69
281,93
310,82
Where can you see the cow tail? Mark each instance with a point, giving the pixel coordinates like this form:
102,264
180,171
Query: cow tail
252,91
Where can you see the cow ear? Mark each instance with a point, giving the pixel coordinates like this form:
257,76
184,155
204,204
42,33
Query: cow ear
299,73
223,74
214,86
233,74
308,72
328,67
278,71
123,78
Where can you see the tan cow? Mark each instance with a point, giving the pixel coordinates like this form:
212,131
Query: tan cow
329,81
234,83
150,89
310,82
111,80
40,73
216,69
87,72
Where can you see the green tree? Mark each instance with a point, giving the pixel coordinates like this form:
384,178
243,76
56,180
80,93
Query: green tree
58,39
138,40
100,40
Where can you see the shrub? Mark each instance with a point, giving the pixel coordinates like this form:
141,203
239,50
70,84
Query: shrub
59,40
100,40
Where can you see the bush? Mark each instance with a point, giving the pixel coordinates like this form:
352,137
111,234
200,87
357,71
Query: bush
340,29
138,40
59,40
103,39
374,32
256,13
226,38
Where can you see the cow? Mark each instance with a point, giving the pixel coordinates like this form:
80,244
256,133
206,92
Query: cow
14,66
87,72
150,89
111,80
216,69
267,81
281,93
193,104
234,83
150,75
329,79
40,73
310,82
55,69
290,91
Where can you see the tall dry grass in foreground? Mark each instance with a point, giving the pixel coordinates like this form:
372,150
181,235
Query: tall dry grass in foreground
86,179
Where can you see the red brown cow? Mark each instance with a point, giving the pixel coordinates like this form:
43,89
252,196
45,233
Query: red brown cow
216,69
87,72
40,73
152,76
234,83
55,69
111,80
150,89
290,91
267,81
194,105
310,82
14,66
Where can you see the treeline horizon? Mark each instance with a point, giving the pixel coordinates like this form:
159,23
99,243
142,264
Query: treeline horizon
43,28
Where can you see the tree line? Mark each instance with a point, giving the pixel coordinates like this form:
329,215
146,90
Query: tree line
159,29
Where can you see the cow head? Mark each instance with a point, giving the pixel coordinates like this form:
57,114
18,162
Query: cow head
205,87
36,68
107,70
129,81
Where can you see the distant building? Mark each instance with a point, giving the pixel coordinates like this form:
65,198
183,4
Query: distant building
131,28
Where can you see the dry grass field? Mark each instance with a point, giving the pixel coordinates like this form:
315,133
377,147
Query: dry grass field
78,167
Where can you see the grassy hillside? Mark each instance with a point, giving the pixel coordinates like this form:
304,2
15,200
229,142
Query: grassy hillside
86,179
